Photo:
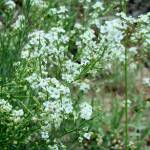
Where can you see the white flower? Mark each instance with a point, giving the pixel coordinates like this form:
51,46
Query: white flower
53,11
38,3
81,1
44,135
85,111
47,105
18,113
53,147
64,90
25,54
129,19
19,22
32,78
71,70
87,135
68,77
88,35
54,92
5,105
133,50
98,5
144,18
84,87
78,25
67,105
62,9
146,81
43,83
113,30
10,4
80,139
55,82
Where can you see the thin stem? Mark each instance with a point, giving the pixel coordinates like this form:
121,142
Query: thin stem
40,68
126,99
124,9
124,5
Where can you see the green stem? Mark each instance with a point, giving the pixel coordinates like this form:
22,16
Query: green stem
124,9
124,5
40,67
126,100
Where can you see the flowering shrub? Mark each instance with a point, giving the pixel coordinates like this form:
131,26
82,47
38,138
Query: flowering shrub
51,54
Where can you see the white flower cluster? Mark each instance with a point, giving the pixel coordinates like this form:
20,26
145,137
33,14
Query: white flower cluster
53,147
54,89
59,104
10,4
146,81
71,71
4,105
44,135
60,12
83,86
98,5
88,47
50,86
88,135
85,111
55,111
19,22
15,115
57,146
52,115
85,1
85,134
38,3
63,107
43,44
96,10
113,31
142,31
